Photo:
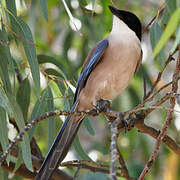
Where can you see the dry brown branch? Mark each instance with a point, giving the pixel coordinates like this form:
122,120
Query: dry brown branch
92,166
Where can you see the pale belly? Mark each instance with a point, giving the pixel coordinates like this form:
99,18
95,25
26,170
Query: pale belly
111,76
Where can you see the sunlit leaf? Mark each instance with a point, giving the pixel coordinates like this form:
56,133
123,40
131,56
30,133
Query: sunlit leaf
51,71
48,59
170,29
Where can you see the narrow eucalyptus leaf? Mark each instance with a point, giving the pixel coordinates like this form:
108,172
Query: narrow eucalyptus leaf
23,96
3,131
51,122
79,149
169,30
44,9
25,144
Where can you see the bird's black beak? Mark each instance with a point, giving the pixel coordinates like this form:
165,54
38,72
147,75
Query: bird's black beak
115,11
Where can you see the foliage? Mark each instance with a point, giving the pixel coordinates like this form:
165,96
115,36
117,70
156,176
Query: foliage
43,45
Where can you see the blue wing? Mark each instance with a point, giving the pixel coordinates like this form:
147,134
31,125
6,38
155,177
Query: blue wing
93,61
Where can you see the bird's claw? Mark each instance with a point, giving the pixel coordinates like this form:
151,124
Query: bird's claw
102,105
125,125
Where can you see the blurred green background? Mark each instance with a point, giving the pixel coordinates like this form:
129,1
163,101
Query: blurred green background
61,46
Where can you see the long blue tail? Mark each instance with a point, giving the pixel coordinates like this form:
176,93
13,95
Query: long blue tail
60,147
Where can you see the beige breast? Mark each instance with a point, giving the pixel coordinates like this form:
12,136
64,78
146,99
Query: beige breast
114,72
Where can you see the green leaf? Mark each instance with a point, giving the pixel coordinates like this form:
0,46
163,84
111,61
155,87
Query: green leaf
38,109
51,122
170,29
61,85
177,40
78,148
19,160
165,17
54,72
155,34
171,5
44,8
83,3
23,97
65,101
88,126
30,51
5,60
11,6
3,131
23,30
4,102
8,102
25,144
49,59
133,96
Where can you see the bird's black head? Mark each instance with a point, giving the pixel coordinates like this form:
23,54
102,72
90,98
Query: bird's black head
130,19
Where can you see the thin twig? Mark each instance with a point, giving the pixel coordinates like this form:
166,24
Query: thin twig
35,121
160,10
167,122
160,75
124,169
92,166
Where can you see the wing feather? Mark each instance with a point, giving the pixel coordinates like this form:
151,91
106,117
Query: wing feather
92,60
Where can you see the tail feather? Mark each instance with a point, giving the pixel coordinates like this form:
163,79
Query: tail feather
60,147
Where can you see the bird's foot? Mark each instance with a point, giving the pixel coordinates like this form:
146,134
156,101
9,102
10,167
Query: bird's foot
102,105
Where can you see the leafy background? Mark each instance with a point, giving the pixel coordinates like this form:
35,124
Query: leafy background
43,45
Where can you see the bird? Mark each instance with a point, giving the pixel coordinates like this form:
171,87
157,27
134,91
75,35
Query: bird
107,71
